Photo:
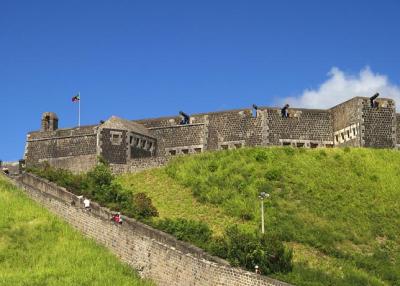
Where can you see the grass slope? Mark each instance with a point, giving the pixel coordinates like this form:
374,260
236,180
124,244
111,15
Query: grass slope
337,208
36,248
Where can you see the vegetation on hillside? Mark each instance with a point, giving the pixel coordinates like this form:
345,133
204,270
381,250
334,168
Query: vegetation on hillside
264,250
339,209
36,248
99,185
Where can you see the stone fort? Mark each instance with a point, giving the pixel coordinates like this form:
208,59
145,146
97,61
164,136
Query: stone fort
131,145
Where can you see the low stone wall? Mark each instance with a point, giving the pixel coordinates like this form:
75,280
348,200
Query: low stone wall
137,165
76,164
154,254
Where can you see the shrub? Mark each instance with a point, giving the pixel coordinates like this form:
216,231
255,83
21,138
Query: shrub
98,184
273,175
143,206
260,156
247,250
192,231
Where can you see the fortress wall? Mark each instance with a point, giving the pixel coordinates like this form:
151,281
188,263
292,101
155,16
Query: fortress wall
170,121
379,124
67,132
60,143
154,254
398,129
301,126
346,113
179,137
114,151
137,165
235,128
76,164
346,117
160,122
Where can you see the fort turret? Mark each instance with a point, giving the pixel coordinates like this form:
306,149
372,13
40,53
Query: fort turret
49,121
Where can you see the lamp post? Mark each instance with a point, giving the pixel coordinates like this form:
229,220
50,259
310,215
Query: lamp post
262,196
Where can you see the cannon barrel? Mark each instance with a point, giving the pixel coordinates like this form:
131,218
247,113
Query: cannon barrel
374,96
184,114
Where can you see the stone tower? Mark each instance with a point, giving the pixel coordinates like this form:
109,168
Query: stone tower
49,121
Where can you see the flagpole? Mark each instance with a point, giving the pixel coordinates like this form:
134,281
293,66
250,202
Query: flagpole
79,109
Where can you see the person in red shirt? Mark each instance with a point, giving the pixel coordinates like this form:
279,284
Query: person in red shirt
117,218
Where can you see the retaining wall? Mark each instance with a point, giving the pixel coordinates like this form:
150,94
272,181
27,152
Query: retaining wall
137,165
154,254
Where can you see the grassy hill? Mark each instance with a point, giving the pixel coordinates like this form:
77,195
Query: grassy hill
339,209
36,248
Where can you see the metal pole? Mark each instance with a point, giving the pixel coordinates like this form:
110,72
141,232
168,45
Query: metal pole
262,216
79,109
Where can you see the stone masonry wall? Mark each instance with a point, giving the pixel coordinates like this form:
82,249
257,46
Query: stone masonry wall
137,165
154,254
238,127
114,151
347,115
398,130
76,164
60,143
351,123
301,125
229,128
379,124
178,136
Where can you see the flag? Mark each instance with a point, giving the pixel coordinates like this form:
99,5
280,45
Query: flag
76,98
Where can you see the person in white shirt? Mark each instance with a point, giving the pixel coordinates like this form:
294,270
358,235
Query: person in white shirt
86,203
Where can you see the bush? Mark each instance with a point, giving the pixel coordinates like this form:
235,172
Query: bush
99,185
143,206
192,231
247,250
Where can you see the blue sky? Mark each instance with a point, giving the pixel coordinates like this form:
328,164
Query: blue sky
139,59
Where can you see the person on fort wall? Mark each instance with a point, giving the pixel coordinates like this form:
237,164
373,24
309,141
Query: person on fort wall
117,218
5,171
86,203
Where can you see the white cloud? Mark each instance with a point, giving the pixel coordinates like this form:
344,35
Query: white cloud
340,87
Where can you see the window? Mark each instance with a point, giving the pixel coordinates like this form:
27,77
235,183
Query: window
342,135
172,152
143,144
185,151
237,146
286,144
150,145
348,133
354,131
116,138
225,147
137,142
130,140
313,145
300,144
337,138
197,150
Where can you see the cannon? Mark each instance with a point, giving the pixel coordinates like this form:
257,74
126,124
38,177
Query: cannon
372,100
284,111
185,118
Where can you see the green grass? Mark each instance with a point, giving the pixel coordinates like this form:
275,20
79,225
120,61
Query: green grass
36,248
339,209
